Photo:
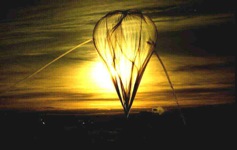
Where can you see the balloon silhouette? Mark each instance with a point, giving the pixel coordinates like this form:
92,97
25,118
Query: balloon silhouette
125,40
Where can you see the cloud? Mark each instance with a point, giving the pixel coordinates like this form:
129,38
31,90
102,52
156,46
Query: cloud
177,23
36,95
207,67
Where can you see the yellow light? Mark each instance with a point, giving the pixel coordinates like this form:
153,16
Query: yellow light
101,77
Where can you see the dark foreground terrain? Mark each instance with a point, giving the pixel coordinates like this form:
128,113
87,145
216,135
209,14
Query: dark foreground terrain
207,127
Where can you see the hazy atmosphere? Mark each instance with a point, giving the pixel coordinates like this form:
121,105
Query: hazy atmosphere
196,41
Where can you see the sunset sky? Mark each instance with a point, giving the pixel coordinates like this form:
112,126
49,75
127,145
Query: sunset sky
196,41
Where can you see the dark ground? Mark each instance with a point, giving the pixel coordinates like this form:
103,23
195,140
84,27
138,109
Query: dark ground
207,127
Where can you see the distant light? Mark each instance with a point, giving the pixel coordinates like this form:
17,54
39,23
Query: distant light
158,110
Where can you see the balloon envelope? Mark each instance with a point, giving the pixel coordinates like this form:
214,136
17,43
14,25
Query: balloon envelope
125,40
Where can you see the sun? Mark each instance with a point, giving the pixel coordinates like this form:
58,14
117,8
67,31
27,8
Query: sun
88,77
101,77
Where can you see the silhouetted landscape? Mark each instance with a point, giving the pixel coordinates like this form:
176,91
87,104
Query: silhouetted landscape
205,126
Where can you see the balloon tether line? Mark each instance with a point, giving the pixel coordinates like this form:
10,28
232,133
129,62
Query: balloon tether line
172,87
46,65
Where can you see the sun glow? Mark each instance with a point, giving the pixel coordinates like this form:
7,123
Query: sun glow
88,77
101,77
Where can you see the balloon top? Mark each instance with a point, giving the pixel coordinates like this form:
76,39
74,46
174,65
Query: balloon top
124,12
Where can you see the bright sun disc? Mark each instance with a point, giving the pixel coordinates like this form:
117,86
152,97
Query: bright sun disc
101,77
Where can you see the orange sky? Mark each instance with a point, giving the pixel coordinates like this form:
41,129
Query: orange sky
193,41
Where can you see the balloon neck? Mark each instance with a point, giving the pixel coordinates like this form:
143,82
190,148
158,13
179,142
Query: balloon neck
127,114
